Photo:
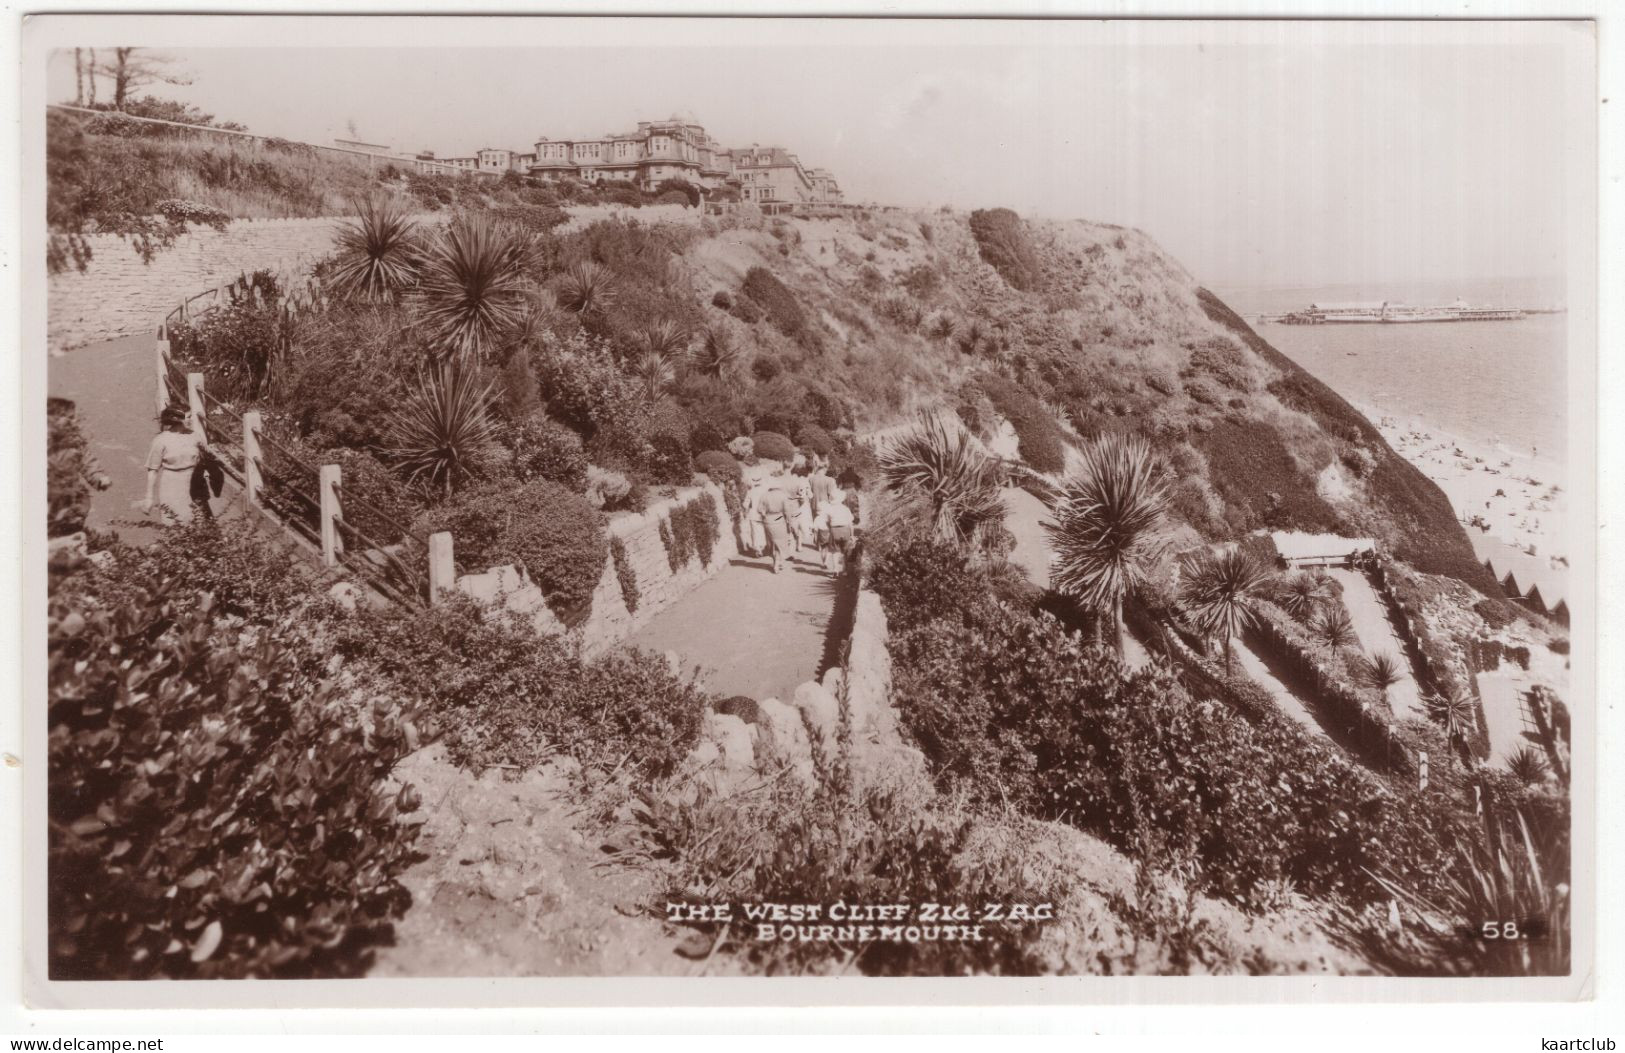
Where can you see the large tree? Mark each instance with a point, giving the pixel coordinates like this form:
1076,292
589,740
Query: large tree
135,68
1105,533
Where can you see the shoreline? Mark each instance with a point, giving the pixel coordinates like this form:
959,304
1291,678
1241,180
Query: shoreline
1512,505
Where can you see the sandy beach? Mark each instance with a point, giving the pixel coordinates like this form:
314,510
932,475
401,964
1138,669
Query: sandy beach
1511,502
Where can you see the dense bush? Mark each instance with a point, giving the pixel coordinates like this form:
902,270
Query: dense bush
216,810
1003,244
1011,707
815,439
236,345
555,535
779,304
71,471
504,695
374,500
1254,473
773,446
545,449
1043,444
721,467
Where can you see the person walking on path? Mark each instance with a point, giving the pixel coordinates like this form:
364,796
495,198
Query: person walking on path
834,527
755,518
823,486
801,509
775,506
174,453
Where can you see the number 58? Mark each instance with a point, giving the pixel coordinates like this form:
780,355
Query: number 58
1500,930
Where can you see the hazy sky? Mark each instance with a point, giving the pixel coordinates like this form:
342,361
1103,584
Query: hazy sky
1279,154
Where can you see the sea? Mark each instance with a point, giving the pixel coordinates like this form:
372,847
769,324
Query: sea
1504,383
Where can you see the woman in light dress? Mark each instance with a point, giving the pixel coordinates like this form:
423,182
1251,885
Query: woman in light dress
171,458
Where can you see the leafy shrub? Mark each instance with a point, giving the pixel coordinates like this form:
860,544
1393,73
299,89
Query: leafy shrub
236,345
585,388
504,695
742,447
71,471
1254,473
1013,708
779,304
625,574
555,535
235,822
1225,362
1002,242
814,438
668,460
374,500
773,446
721,467
1042,441
922,281
722,299
606,490
545,449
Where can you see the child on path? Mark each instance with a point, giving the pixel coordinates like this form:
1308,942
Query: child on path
834,525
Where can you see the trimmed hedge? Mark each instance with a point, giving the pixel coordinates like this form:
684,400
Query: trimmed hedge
773,446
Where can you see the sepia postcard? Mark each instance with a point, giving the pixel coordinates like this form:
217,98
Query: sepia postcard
930,510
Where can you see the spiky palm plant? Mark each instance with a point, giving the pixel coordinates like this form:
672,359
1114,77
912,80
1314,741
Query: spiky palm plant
939,465
473,290
1454,712
1509,876
1381,671
1527,766
1302,595
655,372
662,339
444,432
1219,591
1334,628
379,255
586,288
715,355
1105,533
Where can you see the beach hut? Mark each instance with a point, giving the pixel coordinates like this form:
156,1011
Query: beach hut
1533,600
1509,585
1561,612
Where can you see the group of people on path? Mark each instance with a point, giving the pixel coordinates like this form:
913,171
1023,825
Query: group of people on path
803,508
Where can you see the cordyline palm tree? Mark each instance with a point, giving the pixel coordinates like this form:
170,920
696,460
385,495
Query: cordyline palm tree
472,294
378,255
1334,628
715,355
663,339
1302,595
1219,591
586,288
444,432
938,464
1381,671
1454,712
1527,766
1105,532
655,372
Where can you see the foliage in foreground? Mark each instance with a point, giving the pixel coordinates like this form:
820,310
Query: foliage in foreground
216,809
1011,707
504,695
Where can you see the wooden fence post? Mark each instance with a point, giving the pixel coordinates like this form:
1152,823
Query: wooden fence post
253,479
194,402
161,360
332,544
442,566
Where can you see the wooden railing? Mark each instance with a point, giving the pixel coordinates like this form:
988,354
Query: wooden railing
307,500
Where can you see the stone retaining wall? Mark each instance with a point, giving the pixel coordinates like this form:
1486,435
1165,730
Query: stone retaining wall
610,620
735,748
117,294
